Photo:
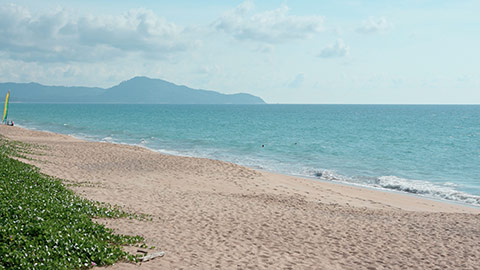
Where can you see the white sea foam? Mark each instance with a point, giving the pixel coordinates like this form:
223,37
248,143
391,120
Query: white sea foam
330,175
107,139
450,184
427,189
445,191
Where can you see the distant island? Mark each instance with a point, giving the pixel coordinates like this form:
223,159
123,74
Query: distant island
136,90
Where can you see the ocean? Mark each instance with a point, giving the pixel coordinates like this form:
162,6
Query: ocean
427,150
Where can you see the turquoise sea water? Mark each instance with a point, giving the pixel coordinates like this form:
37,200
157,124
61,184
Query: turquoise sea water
431,151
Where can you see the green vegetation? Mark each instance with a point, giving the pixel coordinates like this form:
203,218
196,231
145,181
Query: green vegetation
18,149
44,225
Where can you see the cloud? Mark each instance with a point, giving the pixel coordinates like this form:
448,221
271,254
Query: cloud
209,70
297,81
464,78
272,26
103,74
265,48
337,49
374,25
60,36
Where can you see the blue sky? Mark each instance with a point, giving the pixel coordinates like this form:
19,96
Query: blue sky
406,52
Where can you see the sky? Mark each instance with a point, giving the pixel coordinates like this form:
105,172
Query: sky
314,52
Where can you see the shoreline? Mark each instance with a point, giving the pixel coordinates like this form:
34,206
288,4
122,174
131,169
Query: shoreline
213,214
311,178
380,189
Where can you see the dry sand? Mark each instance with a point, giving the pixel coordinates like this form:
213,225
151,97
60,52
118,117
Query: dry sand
210,214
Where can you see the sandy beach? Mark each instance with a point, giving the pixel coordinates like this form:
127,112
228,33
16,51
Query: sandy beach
209,214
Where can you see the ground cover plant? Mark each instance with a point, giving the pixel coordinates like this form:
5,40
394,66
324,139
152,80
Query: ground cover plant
44,225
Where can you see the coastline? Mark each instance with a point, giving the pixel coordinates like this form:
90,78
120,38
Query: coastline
208,213
331,155
384,191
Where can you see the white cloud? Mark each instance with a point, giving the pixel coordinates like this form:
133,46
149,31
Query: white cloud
60,36
209,70
83,74
374,25
337,49
464,78
265,48
272,26
297,81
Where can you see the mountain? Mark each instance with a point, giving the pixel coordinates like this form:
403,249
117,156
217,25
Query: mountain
146,90
34,92
135,90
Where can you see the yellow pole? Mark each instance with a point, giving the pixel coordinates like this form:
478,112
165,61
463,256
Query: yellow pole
5,110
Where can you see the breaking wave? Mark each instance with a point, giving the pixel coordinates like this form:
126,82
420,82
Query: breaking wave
444,191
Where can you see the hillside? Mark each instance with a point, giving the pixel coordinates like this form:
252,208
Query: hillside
135,90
